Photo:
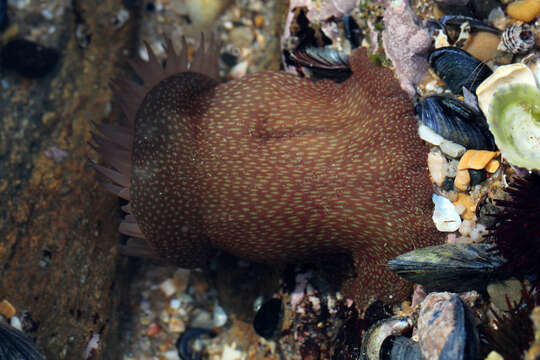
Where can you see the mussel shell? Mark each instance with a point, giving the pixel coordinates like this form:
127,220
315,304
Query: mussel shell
14,345
323,62
397,347
476,25
353,33
267,322
456,121
451,267
458,69
374,337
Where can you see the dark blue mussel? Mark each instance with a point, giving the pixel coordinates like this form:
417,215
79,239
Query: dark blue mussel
3,15
458,69
322,62
456,121
476,25
14,345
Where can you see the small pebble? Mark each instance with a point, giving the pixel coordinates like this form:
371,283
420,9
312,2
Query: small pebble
241,36
492,166
176,325
448,184
220,316
174,304
181,280
468,204
476,159
462,180
493,355
16,323
452,149
437,166
168,287
466,227
239,70
477,176
500,290
202,319
7,310
478,232
482,45
429,135
203,13
229,59
524,10
171,355
258,20
152,330
231,353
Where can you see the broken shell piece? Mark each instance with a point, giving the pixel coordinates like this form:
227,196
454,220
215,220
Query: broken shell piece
462,180
514,120
445,216
476,159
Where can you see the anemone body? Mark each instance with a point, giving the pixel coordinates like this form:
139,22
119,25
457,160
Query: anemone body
274,168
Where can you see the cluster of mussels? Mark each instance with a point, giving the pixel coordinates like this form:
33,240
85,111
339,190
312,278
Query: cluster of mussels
475,110
480,111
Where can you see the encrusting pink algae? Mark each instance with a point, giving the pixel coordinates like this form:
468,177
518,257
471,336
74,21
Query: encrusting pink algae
271,167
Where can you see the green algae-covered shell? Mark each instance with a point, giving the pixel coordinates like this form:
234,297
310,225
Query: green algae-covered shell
450,267
514,120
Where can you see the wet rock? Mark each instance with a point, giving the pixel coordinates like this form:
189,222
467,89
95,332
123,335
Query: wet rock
446,328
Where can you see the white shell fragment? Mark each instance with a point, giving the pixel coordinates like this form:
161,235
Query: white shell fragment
445,215
429,135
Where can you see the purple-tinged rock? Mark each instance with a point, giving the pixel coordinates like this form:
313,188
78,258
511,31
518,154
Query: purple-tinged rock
446,328
406,42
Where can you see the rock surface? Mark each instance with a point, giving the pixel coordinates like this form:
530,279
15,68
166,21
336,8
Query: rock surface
58,228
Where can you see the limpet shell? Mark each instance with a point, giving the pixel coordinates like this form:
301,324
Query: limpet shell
476,159
517,73
514,120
